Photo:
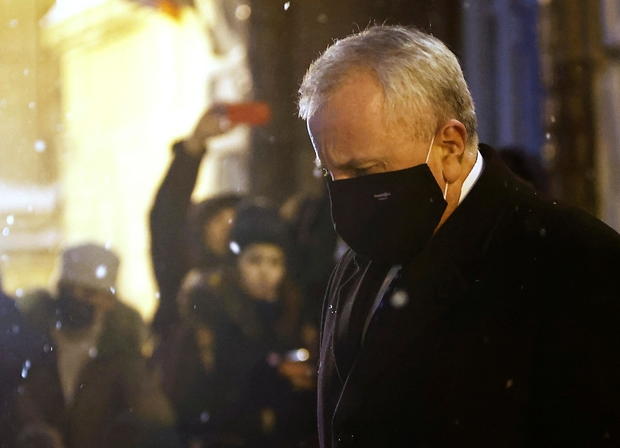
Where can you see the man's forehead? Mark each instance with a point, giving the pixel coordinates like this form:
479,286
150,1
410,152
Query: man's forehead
349,112
360,95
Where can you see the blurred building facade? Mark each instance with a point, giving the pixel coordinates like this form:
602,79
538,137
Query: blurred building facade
99,90
581,71
29,119
501,60
607,93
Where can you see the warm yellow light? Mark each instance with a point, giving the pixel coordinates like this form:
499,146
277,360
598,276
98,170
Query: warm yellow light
128,92
243,12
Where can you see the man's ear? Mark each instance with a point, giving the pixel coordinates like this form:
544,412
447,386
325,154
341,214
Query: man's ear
452,138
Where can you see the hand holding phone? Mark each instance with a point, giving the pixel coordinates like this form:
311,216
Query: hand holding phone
221,118
254,113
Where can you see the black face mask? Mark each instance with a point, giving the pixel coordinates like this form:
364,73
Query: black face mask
387,217
73,313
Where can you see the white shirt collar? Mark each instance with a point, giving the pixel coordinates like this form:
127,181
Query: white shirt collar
472,177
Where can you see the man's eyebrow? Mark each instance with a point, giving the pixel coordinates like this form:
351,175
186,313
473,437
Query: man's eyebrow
356,164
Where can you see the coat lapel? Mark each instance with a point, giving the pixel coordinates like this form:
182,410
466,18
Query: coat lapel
396,327
328,373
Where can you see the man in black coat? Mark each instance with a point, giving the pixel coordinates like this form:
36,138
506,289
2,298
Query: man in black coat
469,312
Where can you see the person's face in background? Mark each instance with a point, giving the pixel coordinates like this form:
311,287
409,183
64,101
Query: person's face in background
261,270
217,230
79,306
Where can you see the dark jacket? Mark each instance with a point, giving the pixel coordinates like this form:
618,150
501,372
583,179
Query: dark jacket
220,387
176,234
117,403
503,332
17,343
169,229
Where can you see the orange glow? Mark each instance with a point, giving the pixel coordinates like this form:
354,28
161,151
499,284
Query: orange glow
170,8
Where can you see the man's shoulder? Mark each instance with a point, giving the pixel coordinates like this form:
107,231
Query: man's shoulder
572,228
567,246
557,223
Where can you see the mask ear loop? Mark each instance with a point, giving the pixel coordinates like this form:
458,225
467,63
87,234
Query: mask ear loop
428,155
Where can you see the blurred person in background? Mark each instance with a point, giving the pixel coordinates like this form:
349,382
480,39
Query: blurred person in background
314,238
238,371
186,235
315,255
17,342
87,384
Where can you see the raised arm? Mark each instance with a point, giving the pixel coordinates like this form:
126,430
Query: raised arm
168,217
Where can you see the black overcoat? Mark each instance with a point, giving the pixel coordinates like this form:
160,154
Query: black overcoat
503,332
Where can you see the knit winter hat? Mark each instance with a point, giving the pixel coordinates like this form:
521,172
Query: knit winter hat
89,265
257,223
204,211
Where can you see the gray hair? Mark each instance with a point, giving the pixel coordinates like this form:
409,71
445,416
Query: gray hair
419,75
